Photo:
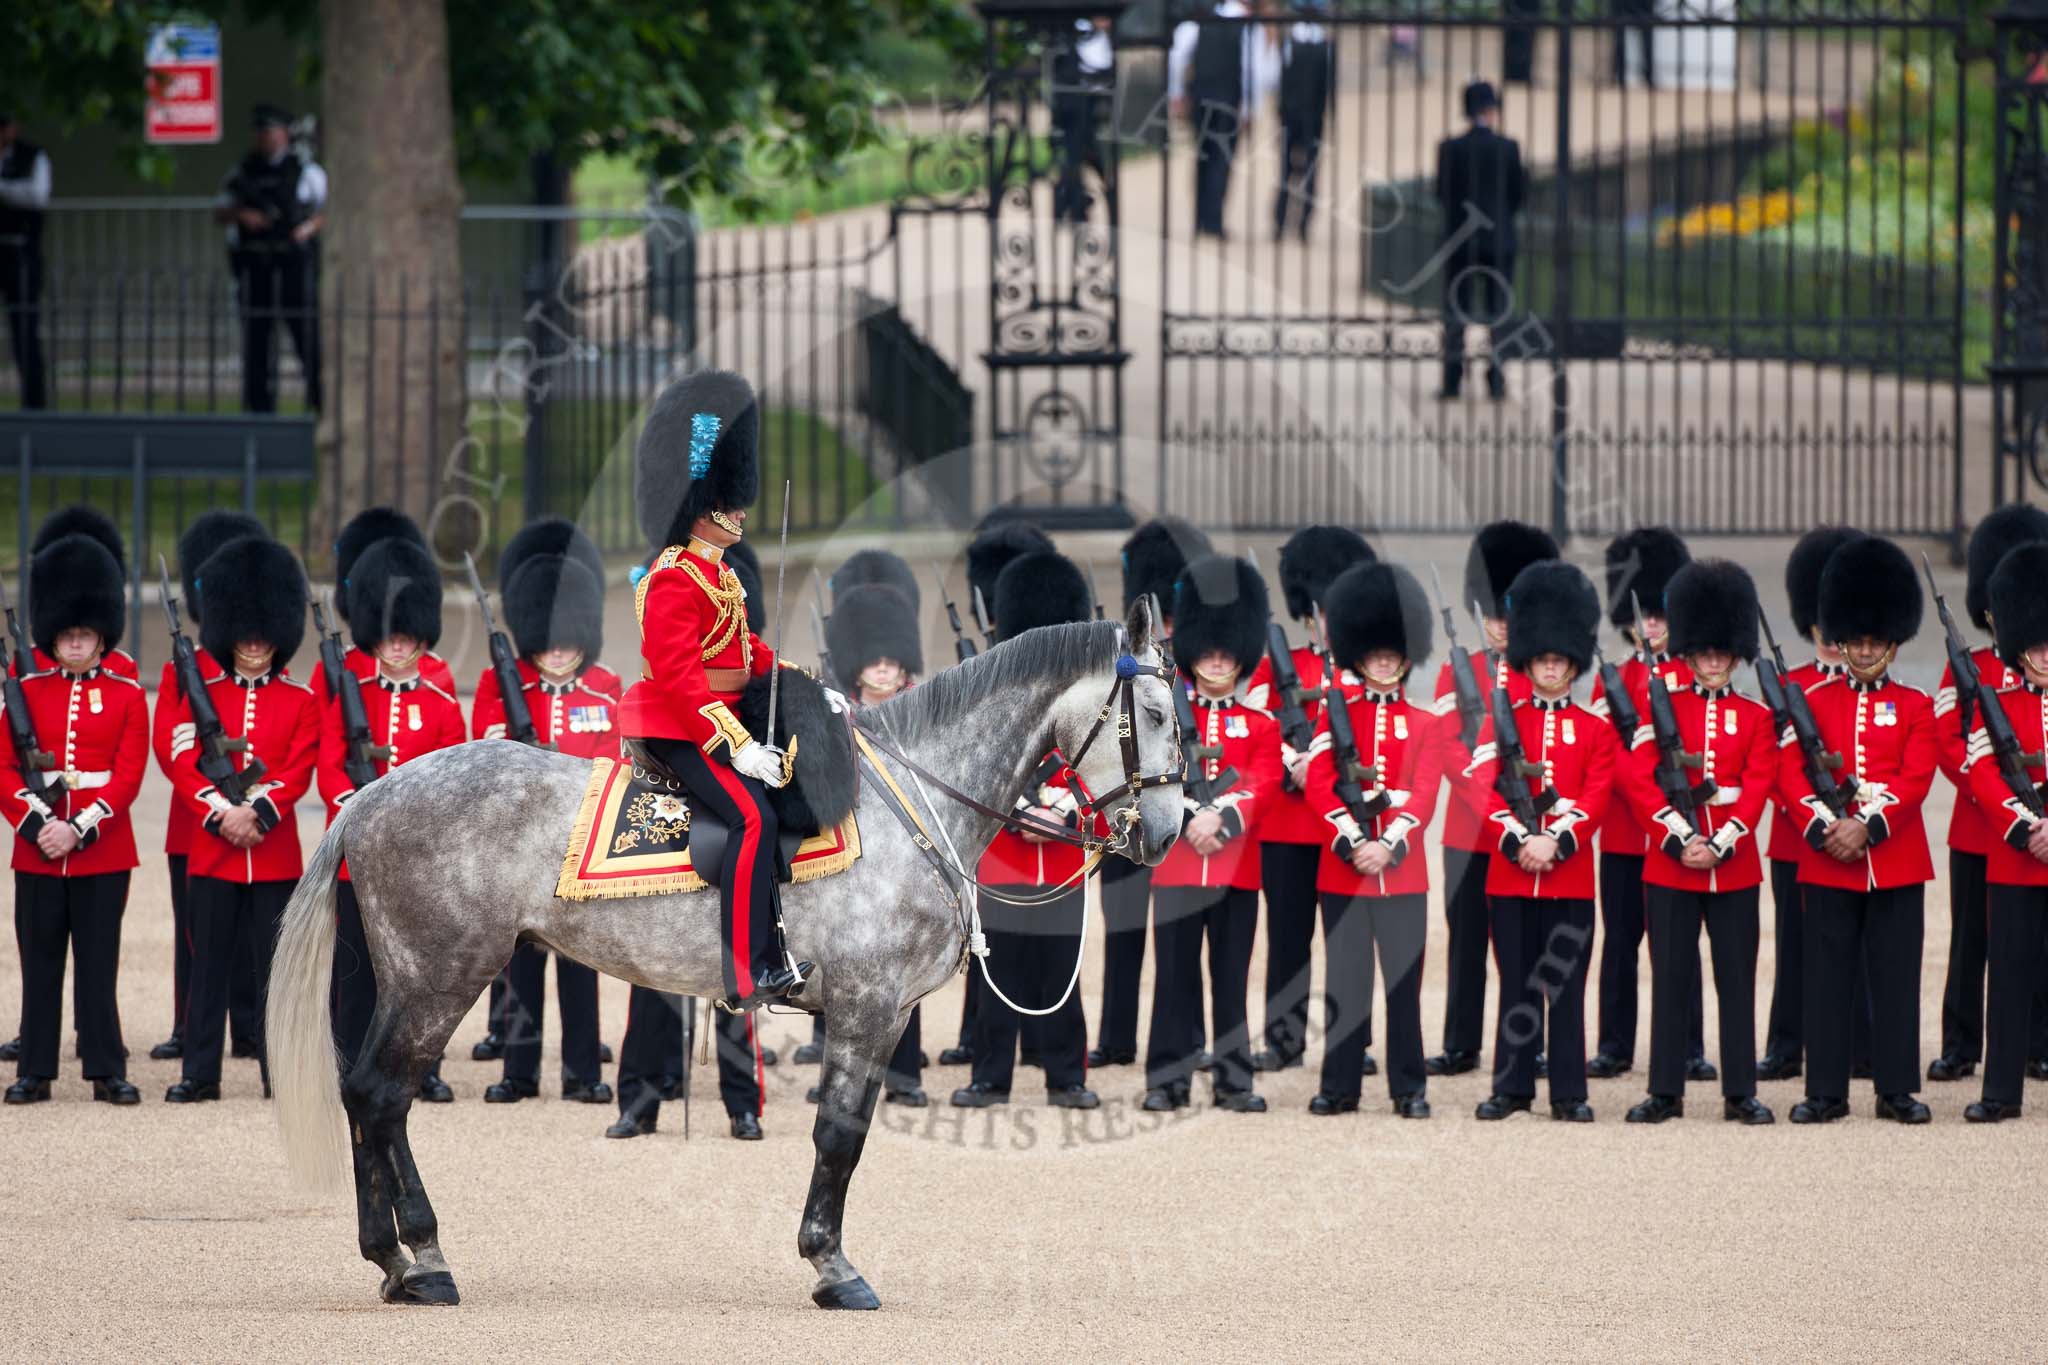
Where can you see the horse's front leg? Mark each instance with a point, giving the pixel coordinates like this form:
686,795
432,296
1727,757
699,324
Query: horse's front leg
857,1047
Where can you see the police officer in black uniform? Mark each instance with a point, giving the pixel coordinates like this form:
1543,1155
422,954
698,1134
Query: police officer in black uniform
24,196
1212,80
275,203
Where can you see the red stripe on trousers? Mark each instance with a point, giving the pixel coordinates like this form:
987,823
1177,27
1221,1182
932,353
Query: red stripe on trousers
742,893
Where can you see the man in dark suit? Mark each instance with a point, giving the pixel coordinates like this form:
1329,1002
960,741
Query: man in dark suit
1479,190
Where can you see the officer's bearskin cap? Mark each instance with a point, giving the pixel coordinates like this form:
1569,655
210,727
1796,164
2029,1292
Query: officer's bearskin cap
1042,589
1499,552
208,532
365,529
82,521
699,452
549,536
1552,608
2004,529
2019,609
75,580
394,588
991,551
1219,602
1869,588
871,621
1712,604
880,566
1642,562
1311,560
1377,606
554,599
255,590
1803,569
1154,556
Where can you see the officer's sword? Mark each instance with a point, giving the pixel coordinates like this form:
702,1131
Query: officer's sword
781,570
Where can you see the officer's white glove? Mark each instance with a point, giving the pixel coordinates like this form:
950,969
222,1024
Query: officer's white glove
838,702
760,762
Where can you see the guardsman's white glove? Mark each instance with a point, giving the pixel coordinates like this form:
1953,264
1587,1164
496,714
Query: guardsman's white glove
760,762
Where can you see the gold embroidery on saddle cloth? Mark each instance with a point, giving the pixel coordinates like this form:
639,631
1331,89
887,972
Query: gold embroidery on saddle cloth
595,867
658,817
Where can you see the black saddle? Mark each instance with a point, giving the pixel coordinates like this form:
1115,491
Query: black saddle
708,833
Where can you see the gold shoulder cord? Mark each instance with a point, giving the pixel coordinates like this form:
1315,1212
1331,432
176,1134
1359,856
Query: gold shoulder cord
727,596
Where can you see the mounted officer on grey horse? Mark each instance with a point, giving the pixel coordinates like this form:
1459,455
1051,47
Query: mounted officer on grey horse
462,854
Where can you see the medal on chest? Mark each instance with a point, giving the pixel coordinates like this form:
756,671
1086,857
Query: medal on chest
1236,727
1728,722
92,700
1571,731
589,720
1400,727
1885,713
412,715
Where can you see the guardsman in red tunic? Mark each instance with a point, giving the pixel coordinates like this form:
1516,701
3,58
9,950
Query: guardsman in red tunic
2017,865
1292,832
74,842
1499,552
1540,882
1640,565
207,533
551,580
245,857
365,529
696,469
1785,1034
1374,874
1151,559
1864,875
1032,949
1210,878
1703,867
393,608
1971,835
91,522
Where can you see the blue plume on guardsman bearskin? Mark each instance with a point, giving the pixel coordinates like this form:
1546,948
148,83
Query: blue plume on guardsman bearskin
255,590
75,580
698,453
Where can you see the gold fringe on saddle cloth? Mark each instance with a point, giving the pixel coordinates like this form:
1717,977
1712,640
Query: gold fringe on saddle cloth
632,839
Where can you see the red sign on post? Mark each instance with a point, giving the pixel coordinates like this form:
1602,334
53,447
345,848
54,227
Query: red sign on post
184,84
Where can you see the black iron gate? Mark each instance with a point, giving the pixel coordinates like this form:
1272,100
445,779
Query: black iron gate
1747,299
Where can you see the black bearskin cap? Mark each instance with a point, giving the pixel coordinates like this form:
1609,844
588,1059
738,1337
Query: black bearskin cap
555,600
991,551
1711,604
1219,602
1803,569
1552,608
1042,589
1500,552
1642,562
1154,556
75,580
208,532
1377,606
549,536
2019,609
699,452
1869,588
880,566
256,591
365,529
1311,560
871,621
394,588
2004,529
82,521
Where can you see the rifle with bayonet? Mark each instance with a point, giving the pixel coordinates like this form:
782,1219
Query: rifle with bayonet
1353,772
361,752
1464,682
519,726
1788,699
982,622
1511,779
1672,759
1621,707
2013,761
216,748
963,648
36,764
1295,727
1203,791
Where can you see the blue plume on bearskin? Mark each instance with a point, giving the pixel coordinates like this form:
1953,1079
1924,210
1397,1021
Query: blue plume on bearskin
1552,608
257,591
1219,602
81,520
1712,604
1642,563
1312,559
1378,606
879,566
2002,531
208,532
394,588
365,529
699,452
871,621
1154,556
1870,588
2019,609
822,792
75,580
554,599
1499,553
1803,569
1042,589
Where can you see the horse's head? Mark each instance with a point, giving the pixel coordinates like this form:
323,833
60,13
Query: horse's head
1140,740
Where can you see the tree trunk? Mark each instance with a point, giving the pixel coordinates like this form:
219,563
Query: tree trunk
392,431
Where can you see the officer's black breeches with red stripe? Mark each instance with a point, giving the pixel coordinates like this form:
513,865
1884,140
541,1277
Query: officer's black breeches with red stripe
747,890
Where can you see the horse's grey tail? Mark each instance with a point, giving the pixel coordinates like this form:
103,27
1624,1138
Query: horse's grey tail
297,1028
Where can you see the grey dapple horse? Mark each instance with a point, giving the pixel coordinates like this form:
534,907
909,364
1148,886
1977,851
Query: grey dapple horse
454,859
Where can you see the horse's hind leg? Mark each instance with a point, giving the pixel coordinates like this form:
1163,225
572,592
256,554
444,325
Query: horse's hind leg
404,1041
857,1048
376,1231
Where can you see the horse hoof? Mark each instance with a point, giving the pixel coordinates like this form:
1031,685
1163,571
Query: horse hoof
435,1288
853,1293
